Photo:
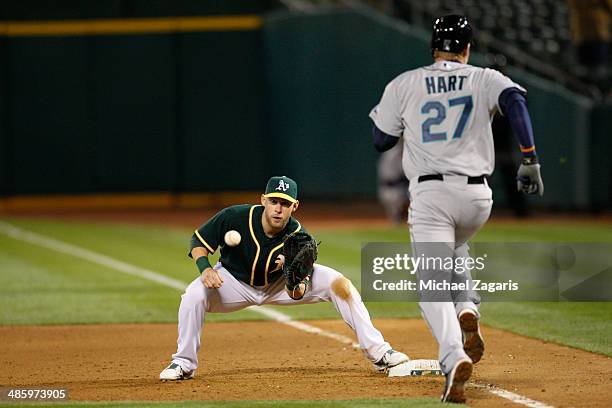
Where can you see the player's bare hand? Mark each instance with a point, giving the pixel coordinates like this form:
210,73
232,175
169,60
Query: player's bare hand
211,278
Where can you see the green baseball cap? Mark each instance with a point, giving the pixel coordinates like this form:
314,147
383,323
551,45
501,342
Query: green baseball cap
282,187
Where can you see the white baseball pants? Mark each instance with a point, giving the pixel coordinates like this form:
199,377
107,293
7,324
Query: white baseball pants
449,211
234,295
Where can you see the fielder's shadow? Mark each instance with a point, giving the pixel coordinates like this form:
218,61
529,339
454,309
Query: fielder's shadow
301,371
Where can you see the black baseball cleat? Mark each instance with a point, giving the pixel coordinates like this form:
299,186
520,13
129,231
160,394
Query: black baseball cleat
390,359
473,344
454,390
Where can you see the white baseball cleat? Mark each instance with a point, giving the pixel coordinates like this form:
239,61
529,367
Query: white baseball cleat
454,390
390,359
174,372
473,344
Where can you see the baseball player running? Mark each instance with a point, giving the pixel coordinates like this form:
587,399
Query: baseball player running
254,260
443,113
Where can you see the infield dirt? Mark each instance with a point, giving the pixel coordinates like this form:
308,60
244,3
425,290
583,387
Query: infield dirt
269,361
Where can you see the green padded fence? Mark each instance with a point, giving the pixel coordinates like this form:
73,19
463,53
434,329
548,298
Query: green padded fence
222,110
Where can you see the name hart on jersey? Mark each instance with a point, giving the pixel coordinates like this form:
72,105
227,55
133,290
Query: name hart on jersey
444,84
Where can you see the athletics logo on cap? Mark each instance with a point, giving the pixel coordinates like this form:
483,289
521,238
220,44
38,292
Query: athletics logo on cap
281,187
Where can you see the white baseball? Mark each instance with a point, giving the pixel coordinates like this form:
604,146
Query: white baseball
232,238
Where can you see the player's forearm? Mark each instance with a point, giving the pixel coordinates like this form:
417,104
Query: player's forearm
514,107
200,256
198,252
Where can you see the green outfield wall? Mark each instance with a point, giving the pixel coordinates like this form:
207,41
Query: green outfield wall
155,98
600,158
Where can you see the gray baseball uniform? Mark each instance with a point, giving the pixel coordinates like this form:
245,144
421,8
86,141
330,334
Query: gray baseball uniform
443,113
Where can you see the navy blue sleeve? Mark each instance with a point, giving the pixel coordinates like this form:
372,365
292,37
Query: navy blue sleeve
513,106
383,141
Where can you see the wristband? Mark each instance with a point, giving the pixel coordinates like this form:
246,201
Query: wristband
203,263
528,151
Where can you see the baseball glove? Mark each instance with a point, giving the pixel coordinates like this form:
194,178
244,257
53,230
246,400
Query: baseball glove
300,252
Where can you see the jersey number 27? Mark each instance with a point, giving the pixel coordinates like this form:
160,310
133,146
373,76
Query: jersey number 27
440,115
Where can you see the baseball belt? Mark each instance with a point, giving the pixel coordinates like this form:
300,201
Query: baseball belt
470,179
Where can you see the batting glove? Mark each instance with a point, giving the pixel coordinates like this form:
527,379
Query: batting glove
528,178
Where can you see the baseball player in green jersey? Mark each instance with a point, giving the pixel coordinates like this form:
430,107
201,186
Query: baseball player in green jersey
250,273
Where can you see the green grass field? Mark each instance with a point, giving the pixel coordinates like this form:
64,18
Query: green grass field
43,286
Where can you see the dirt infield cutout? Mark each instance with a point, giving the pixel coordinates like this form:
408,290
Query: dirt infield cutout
268,361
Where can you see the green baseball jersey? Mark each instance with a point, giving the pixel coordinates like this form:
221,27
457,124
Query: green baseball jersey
253,260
